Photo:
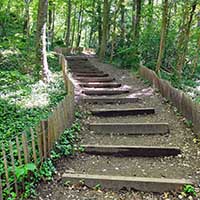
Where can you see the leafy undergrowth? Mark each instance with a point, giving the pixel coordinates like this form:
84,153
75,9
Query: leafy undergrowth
25,101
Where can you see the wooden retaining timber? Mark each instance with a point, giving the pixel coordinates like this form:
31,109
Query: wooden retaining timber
136,151
100,85
105,91
109,100
158,185
84,71
122,112
90,75
101,79
130,128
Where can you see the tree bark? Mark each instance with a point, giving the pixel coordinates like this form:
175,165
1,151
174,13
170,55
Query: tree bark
99,11
79,29
92,25
114,31
26,28
74,27
196,59
106,10
68,24
133,18
41,54
184,36
138,8
163,36
122,21
51,22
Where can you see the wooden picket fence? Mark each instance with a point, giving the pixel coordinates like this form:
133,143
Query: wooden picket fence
184,104
34,145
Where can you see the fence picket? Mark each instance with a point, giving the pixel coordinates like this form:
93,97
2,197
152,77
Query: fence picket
33,146
25,148
5,166
13,167
44,138
18,151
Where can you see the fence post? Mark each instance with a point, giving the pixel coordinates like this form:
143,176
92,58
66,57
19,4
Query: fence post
43,123
25,147
33,146
5,166
13,167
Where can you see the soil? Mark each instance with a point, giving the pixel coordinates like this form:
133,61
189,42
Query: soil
185,165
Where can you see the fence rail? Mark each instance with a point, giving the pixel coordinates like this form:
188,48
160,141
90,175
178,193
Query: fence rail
33,146
184,104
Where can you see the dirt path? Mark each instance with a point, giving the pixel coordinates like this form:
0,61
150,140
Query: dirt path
182,166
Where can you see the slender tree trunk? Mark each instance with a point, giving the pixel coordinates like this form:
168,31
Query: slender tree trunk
99,11
74,27
114,31
41,54
122,21
26,28
196,59
80,31
137,19
163,35
68,24
51,20
133,18
92,25
79,24
106,10
184,38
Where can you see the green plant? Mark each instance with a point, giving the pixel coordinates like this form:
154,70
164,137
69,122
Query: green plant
188,123
97,187
189,189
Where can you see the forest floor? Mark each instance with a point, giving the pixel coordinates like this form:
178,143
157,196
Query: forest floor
185,165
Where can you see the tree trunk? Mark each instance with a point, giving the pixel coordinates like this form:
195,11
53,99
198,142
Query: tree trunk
79,25
196,59
184,36
138,6
74,27
122,21
26,28
68,24
99,25
51,22
163,35
41,54
133,18
114,31
92,25
106,10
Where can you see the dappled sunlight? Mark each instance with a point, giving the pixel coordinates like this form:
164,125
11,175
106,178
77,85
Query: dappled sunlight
143,93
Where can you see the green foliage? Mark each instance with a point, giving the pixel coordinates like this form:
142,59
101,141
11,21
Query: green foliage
189,189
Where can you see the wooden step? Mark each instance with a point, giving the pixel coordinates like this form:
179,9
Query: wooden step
100,85
159,185
76,58
83,68
122,112
139,151
130,128
91,75
84,71
105,92
109,100
93,79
